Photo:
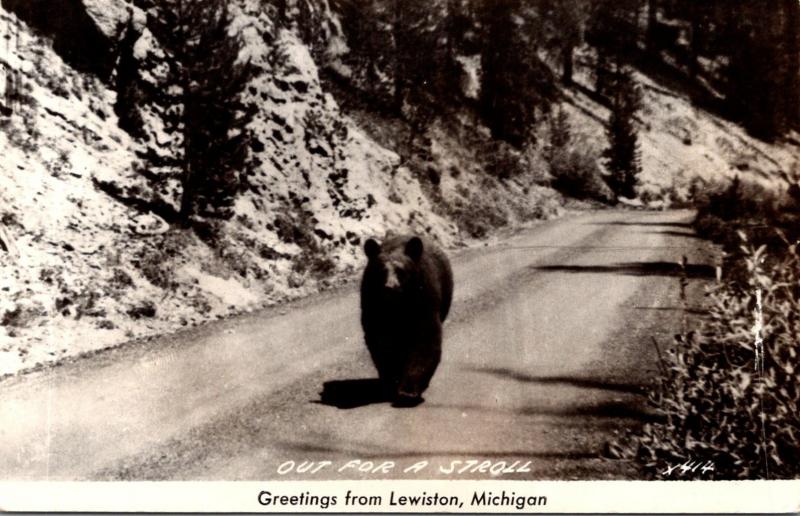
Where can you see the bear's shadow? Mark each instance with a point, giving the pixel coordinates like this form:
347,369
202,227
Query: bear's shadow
348,394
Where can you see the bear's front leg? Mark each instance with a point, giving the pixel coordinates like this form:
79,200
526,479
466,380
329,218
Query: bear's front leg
381,350
424,353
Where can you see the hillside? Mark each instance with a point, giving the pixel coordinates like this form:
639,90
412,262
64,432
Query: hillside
683,146
90,258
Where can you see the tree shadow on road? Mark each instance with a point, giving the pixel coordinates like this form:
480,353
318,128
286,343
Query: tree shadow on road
373,451
614,409
608,409
692,311
667,269
686,225
683,234
348,394
586,383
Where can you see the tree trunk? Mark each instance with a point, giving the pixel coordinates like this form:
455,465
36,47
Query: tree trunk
694,47
652,20
399,79
566,64
792,61
187,179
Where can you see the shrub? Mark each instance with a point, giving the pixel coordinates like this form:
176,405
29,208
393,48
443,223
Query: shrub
314,262
573,168
741,200
576,173
155,263
504,161
746,206
479,213
731,396
143,309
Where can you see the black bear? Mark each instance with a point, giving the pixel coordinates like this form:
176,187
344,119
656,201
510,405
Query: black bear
406,292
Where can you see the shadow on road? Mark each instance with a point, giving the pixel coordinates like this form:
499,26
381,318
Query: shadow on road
586,383
684,234
686,225
614,409
362,450
692,311
668,269
608,409
347,394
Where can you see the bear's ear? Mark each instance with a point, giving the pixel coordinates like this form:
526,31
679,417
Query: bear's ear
414,248
372,248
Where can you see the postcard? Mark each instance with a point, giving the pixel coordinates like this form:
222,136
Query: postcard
462,256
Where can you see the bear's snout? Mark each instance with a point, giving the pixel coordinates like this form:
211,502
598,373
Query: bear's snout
392,281
395,278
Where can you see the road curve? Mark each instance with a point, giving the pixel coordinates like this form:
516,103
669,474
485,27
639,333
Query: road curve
546,353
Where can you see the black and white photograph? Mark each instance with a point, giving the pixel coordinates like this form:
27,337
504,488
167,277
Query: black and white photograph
515,243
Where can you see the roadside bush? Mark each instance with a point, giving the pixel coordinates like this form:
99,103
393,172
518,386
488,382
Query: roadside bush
479,214
741,200
576,174
731,393
314,262
21,314
731,390
155,262
726,209
145,309
503,161
573,168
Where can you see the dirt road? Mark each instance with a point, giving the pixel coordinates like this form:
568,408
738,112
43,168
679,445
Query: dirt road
545,355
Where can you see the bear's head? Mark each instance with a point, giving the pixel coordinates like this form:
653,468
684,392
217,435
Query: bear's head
396,268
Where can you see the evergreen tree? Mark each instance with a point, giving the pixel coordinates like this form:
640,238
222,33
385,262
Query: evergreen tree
762,77
515,83
204,86
791,48
622,157
651,40
759,43
613,30
565,23
368,27
700,16
416,30
560,133
129,94
403,53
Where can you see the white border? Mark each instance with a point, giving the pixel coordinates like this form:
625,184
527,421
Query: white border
775,496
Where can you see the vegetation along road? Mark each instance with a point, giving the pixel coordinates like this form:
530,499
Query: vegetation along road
547,352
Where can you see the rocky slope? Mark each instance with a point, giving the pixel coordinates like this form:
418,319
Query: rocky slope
87,259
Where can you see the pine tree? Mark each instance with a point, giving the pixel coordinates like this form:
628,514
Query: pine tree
565,24
613,30
622,157
560,133
651,41
791,47
753,77
515,83
204,86
129,93
419,33
403,53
